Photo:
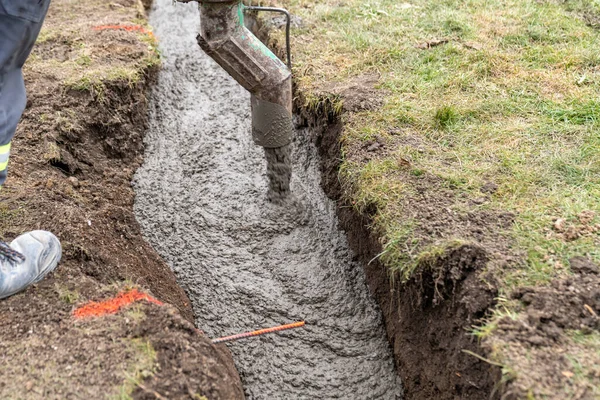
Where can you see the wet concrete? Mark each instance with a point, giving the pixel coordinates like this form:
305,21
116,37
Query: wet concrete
245,262
279,173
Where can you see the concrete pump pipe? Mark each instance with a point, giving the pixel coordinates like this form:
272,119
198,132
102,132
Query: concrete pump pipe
224,37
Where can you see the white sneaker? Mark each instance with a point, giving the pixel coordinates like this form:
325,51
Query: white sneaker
27,260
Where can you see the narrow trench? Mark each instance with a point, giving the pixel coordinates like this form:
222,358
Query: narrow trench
245,262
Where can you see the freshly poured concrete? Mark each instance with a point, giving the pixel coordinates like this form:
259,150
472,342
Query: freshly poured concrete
245,262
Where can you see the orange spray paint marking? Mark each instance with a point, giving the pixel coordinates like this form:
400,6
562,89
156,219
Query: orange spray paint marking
258,332
128,28
112,306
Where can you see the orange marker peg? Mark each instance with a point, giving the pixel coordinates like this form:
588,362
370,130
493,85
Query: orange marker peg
258,332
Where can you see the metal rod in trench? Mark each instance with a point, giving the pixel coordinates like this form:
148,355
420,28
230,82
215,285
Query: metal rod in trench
258,332
288,24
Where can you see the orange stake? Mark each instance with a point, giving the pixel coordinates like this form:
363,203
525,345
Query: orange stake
259,332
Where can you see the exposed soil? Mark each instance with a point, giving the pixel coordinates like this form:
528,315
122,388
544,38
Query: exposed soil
46,354
78,155
427,317
537,343
73,157
190,366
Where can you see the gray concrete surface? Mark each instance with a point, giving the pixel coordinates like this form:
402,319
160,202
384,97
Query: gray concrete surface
245,262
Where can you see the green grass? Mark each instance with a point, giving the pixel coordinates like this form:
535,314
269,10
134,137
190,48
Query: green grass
86,68
512,97
94,80
473,92
65,294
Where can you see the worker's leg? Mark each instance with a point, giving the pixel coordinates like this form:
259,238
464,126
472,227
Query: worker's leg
32,255
20,24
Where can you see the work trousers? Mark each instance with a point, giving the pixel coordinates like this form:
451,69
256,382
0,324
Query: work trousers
20,24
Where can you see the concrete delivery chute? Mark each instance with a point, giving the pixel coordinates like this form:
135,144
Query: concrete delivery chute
225,38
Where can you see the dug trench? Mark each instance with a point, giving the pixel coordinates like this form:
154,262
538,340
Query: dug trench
430,317
244,261
427,319
247,263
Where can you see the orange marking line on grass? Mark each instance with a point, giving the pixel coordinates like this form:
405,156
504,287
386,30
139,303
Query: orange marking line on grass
111,306
128,28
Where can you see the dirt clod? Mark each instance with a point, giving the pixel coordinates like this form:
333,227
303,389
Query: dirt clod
554,321
489,187
584,265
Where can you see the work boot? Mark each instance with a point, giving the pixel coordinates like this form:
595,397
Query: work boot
27,260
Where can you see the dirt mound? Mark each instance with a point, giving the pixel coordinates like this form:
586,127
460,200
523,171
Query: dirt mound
142,350
548,343
74,155
572,303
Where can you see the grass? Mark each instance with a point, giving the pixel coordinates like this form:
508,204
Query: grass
52,152
66,295
473,92
85,68
511,97
584,368
142,366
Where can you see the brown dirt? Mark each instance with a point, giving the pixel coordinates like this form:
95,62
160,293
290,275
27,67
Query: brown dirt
46,354
73,157
359,94
201,368
537,343
427,317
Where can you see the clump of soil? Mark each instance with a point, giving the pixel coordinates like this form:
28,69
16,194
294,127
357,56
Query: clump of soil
73,157
573,230
358,94
547,344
